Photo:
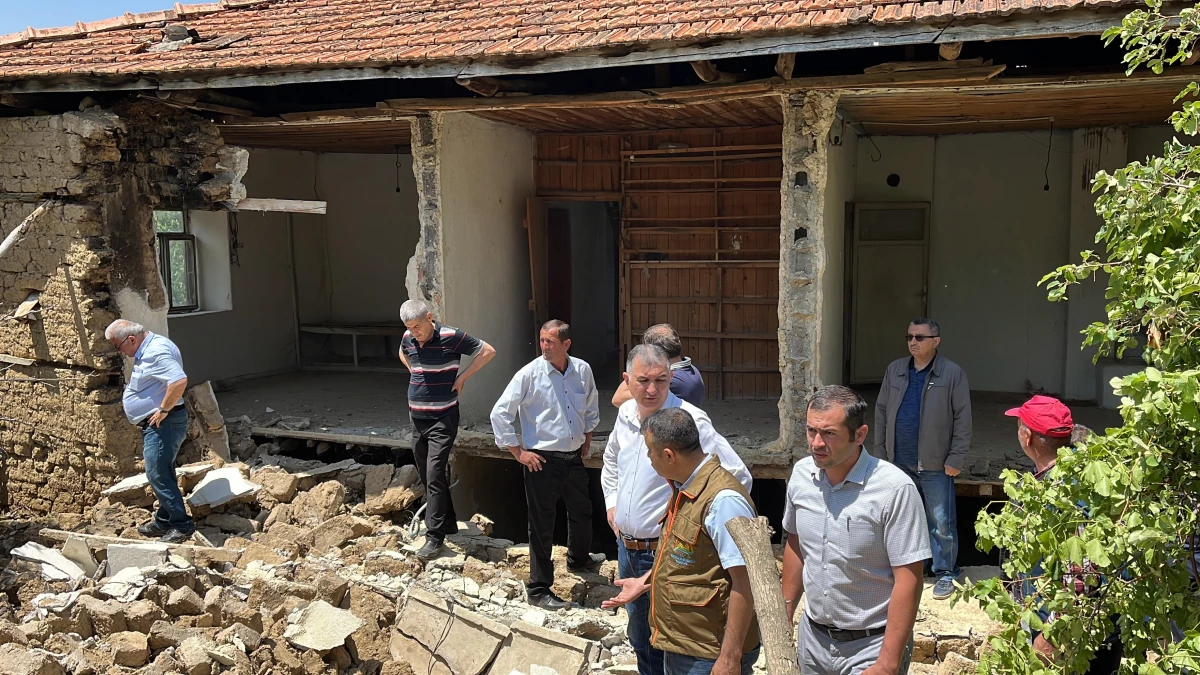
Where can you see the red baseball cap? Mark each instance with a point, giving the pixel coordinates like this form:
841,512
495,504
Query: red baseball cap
1045,415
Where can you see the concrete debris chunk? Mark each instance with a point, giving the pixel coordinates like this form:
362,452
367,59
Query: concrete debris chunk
192,654
338,530
124,556
319,504
279,486
77,551
106,617
20,660
242,635
320,626
184,602
55,566
232,523
129,649
222,486
125,586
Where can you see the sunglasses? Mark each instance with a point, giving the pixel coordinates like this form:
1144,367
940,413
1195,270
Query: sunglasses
918,338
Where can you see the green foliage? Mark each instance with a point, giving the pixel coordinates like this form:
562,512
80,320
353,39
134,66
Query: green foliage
1118,512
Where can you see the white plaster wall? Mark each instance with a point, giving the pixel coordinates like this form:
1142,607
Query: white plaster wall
485,176
840,180
994,233
350,261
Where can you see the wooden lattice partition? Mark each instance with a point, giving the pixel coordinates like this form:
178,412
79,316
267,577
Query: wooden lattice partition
699,239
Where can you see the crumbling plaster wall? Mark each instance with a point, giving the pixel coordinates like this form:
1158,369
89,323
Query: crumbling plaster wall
91,257
472,262
807,118
839,191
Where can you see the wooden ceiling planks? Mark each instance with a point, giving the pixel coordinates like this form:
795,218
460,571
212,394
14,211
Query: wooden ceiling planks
751,112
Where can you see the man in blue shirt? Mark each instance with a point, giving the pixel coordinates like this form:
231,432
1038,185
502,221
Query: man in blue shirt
153,400
923,426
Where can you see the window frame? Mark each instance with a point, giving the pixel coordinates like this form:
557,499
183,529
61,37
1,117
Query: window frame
164,240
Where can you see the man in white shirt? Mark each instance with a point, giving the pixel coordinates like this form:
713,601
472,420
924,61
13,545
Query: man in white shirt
635,495
555,399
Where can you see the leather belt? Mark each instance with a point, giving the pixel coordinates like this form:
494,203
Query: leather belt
839,635
639,544
145,423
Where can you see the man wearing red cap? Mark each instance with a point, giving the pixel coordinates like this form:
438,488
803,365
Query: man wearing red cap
1045,426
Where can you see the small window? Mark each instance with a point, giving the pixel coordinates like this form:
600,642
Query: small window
177,260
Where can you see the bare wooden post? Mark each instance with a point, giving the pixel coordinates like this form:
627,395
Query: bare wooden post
753,539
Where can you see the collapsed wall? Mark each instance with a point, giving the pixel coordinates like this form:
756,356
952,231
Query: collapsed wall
86,258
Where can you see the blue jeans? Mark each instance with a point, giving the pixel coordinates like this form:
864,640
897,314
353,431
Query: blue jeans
630,565
937,490
681,664
160,446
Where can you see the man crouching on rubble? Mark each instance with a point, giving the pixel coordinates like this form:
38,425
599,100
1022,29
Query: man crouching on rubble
153,401
701,607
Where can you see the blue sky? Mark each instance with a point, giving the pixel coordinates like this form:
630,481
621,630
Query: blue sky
15,15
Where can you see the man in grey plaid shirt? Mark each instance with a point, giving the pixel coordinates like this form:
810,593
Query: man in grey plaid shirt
857,540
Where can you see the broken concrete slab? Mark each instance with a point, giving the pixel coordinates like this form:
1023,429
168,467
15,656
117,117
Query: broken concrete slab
531,645
135,486
404,649
222,486
76,550
55,566
246,638
320,626
107,618
123,556
465,640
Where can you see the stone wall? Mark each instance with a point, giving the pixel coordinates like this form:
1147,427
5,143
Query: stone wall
101,173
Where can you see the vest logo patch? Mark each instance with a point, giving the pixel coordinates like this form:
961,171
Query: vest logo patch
683,554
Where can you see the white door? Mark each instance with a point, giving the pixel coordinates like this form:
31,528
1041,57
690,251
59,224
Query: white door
888,277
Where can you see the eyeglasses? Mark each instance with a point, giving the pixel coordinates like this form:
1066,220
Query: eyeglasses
918,338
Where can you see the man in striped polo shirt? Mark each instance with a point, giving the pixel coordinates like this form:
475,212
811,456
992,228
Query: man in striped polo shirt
431,352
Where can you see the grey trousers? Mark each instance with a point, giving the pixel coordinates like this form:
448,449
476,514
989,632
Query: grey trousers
822,655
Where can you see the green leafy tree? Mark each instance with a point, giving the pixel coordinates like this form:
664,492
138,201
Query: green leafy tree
1119,512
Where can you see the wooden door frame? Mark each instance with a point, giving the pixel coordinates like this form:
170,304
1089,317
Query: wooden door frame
851,273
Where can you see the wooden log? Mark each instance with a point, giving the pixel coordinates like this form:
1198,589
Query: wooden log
753,539
785,64
706,71
19,230
282,205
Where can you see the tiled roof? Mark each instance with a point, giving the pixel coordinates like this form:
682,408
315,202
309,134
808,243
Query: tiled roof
257,35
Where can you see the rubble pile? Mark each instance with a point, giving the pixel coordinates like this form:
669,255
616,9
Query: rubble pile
302,567
297,567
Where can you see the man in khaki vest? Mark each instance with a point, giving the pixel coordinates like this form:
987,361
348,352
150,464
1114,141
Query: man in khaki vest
701,608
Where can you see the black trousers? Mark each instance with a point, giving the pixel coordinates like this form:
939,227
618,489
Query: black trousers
562,476
431,449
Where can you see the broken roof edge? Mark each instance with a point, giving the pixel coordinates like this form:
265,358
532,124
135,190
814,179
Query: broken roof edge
126,20
1030,24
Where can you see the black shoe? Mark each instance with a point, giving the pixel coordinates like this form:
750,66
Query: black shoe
590,561
151,530
431,549
548,601
176,536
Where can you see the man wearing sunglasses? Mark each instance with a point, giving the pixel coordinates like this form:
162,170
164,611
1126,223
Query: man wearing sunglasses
153,400
923,426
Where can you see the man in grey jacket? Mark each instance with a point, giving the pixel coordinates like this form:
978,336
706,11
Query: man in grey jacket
923,426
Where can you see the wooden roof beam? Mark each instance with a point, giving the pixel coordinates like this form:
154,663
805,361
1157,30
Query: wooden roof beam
785,64
706,71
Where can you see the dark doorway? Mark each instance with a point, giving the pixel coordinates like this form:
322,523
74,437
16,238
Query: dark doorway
558,263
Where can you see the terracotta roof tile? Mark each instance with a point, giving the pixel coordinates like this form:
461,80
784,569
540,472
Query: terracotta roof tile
296,34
